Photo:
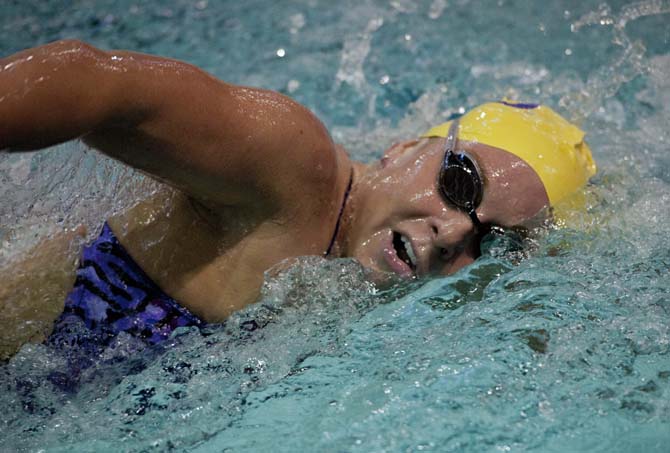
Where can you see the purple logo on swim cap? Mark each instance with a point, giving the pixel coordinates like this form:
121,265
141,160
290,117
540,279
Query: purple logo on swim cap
520,105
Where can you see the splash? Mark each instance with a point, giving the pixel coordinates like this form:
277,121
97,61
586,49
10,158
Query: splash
565,350
64,188
631,62
305,310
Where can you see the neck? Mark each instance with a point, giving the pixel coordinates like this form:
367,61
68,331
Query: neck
339,247
339,216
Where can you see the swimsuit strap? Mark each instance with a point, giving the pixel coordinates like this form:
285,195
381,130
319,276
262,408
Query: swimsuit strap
339,216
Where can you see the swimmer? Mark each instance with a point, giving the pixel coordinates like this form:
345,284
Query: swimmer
256,180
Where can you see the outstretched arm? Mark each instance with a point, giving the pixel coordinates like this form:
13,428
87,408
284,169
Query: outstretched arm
218,142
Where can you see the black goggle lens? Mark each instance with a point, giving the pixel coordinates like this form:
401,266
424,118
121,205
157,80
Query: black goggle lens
460,183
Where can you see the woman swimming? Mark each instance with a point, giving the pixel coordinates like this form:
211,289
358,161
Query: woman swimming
258,180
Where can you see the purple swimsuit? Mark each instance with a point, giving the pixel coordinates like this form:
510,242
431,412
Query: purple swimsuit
112,294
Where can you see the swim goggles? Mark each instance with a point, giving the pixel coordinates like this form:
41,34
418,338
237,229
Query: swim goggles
459,179
460,183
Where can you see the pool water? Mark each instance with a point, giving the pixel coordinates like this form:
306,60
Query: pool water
567,349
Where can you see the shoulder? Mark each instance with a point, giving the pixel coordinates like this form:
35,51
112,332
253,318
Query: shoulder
281,125
291,149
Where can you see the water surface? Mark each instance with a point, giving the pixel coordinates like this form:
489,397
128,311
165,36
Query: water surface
565,350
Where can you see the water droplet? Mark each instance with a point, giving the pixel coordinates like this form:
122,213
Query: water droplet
292,85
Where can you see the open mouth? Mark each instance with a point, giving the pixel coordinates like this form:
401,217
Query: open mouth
404,250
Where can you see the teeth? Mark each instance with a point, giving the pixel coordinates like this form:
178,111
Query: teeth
409,249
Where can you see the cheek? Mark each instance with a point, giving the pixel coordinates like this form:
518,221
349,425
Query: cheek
391,192
409,165
424,195
369,250
414,184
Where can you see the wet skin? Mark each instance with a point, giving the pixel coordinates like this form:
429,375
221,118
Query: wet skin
255,177
399,194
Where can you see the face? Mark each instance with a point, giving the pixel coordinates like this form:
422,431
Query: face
401,224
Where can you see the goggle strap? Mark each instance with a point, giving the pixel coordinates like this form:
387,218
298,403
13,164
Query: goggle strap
473,216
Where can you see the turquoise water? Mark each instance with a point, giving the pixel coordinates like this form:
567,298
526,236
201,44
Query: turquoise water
567,349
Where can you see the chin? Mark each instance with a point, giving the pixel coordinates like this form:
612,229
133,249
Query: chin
382,279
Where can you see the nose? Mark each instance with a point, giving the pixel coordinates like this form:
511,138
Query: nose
456,228
452,243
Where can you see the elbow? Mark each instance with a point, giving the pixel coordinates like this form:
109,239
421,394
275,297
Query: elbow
72,45
72,49
64,50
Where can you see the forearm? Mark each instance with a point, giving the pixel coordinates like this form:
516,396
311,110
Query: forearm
51,94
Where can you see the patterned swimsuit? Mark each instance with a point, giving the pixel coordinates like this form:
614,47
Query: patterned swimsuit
112,294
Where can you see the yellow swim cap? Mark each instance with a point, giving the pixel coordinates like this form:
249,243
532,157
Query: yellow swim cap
549,144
